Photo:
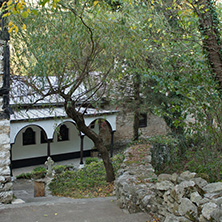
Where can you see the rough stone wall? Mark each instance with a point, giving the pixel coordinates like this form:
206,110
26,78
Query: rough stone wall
124,128
171,198
6,194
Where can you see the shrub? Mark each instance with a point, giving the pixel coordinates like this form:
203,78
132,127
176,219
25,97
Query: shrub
61,168
24,176
38,172
91,159
87,182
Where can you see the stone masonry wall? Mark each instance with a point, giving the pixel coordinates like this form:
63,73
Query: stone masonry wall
124,127
6,194
170,198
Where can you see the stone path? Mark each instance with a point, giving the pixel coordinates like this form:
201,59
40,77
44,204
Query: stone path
84,210
60,209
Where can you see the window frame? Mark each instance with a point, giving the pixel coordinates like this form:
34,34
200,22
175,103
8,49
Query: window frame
142,120
29,132
63,136
42,137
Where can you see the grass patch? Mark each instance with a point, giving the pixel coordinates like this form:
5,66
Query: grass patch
88,182
37,173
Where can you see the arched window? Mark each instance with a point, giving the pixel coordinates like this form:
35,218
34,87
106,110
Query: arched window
63,133
28,136
43,137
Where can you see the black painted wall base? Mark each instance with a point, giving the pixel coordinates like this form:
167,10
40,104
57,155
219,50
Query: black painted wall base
41,160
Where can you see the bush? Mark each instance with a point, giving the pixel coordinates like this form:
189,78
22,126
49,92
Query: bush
164,150
24,176
38,172
90,160
61,168
87,182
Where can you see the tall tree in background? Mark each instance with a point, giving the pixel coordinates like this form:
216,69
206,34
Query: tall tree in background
211,38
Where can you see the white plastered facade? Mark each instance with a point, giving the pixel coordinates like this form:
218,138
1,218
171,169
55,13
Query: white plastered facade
49,126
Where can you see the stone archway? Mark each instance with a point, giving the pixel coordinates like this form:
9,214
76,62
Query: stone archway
106,131
30,146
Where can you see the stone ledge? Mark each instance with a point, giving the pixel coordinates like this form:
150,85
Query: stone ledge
171,198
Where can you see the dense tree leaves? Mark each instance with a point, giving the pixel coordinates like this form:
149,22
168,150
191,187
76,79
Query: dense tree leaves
158,56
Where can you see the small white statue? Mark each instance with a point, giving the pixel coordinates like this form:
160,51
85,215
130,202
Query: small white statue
49,163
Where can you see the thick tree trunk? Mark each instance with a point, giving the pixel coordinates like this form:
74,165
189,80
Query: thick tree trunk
98,142
137,100
208,21
136,125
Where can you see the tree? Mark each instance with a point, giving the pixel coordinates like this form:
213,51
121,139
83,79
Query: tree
211,38
72,43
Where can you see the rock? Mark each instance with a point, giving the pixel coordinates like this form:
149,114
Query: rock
18,201
148,158
212,196
203,201
187,175
178,192
164,185
166,196
163,177
208,209
147,200
213,187
125,187
174,177
218,201
195,198
200,182
5,171
202,219
171,218
187,207
6,197
217,215
2,179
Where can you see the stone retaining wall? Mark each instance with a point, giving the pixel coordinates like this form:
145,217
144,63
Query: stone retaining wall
170,198
6,194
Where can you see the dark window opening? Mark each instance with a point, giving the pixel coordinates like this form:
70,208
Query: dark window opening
92,125
63,133
43,137
143,120
28,136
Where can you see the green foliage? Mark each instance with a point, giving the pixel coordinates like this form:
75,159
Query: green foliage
84,183
61,168
90,160
39,172
24,176
164,140
205,162
197,156
157,41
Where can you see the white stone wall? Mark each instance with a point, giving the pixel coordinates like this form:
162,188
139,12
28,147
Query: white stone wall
5,178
